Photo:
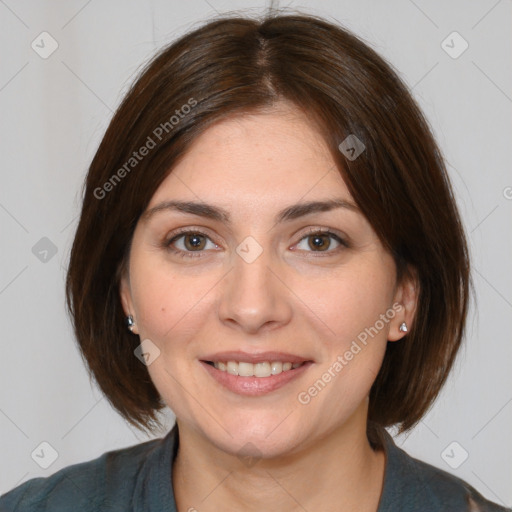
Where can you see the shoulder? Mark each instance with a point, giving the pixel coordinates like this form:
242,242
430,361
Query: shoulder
451,492
104,483
411,484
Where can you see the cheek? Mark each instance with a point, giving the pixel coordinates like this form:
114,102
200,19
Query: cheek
171,306
339,385
355,308
351,301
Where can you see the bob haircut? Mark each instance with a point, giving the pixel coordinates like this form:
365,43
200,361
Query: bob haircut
236,65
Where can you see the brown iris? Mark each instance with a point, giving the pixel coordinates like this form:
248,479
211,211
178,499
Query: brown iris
319,241
197,241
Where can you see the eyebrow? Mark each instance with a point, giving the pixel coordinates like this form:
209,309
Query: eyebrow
217,213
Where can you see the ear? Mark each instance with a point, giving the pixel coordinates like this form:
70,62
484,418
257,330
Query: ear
126,298
406,295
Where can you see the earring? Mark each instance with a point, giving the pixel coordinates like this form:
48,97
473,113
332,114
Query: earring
129,322
403,327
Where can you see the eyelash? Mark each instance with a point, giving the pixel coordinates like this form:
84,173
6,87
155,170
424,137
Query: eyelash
194,254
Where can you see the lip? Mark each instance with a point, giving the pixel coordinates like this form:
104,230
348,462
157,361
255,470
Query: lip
256,357
255,386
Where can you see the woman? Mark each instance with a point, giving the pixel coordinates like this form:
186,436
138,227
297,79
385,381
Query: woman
269,245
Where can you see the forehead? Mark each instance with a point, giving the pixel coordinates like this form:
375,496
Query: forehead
261,159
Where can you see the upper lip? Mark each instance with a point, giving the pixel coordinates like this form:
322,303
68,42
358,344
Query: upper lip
255,357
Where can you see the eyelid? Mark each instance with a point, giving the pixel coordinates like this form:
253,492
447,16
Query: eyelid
324,230
189,230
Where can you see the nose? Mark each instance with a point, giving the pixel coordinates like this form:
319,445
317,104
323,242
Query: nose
254,296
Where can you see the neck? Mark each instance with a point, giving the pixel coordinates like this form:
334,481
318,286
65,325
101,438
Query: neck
340,472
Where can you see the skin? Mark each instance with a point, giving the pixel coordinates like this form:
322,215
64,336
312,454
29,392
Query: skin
293,298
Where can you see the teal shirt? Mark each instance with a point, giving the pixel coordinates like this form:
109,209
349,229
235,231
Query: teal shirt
139,478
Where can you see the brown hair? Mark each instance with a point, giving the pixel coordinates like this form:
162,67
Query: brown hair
234,65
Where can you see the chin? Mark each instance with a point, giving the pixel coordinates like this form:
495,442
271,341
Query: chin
257,436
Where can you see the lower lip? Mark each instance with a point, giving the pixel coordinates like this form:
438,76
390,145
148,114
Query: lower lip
254,386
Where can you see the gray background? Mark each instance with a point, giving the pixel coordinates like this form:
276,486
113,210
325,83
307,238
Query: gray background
54,112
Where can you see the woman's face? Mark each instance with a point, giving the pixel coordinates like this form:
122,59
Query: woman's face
236,280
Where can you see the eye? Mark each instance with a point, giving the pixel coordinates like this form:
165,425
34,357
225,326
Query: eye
193,243
318,240
188,242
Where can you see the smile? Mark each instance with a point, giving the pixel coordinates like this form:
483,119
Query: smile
254,379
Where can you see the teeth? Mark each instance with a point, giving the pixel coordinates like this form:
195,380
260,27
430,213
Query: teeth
244,369
232,368
263,369
276,367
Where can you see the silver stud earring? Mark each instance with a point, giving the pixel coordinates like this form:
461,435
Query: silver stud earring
403,327
129,322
